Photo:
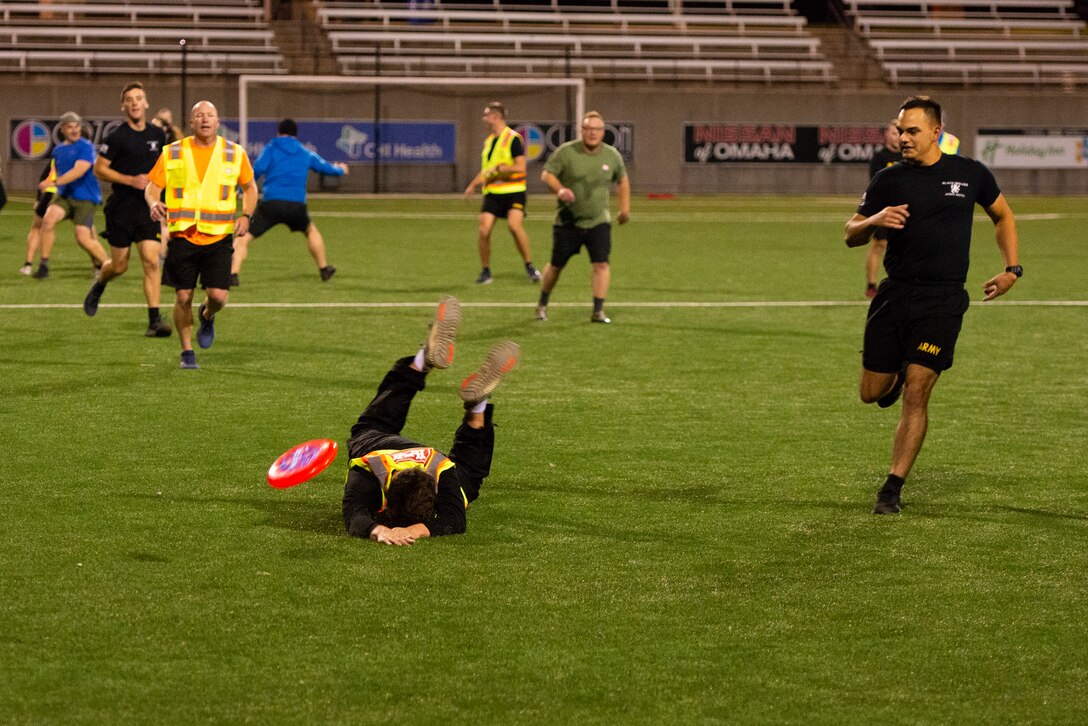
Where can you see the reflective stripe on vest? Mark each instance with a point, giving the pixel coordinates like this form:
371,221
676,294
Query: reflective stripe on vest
500,154
384,463
207,203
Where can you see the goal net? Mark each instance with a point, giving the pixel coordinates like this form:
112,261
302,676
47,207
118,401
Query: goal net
402,134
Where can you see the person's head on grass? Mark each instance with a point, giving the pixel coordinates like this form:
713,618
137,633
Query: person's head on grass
410,498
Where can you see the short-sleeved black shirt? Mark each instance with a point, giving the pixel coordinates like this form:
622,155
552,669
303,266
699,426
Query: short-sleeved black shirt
935,244
132,152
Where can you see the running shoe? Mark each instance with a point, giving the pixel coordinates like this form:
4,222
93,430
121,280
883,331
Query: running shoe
438,349
500,360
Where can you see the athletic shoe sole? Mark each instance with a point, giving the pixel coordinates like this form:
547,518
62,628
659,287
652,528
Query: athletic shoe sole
439,349
500,360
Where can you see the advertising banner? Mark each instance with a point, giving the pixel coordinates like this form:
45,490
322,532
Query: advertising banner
543,137
355,142
715,143
1032,148
34,138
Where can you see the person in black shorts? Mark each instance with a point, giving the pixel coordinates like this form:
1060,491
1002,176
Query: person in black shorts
884,157
926,203
285,165
503,176
124,158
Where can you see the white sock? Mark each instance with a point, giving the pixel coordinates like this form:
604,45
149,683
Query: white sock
480,407
419,362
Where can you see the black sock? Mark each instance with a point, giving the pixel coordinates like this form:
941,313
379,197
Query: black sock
544,297
892,485
529,266
487,270
598,304
152,315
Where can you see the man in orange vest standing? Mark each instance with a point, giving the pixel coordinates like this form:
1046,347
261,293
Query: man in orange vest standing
200,174
502,174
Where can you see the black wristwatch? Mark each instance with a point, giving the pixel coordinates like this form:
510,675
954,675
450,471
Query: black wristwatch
1017,270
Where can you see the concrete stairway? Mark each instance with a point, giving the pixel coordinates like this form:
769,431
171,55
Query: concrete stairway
854,66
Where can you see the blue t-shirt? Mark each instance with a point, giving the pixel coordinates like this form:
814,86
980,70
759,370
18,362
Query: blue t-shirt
84,188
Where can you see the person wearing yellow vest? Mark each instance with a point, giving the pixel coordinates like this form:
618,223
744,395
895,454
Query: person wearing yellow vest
200,174
399,490
502,175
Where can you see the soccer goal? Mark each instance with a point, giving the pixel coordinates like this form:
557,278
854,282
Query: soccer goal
406,134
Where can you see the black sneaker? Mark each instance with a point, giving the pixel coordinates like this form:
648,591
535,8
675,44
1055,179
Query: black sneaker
599,317
42,273
886,503
205,335
327,272
158,329
188,360
534,274
94,295
893,395
484,278
234,279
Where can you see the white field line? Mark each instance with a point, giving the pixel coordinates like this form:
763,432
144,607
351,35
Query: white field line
674,217
510,305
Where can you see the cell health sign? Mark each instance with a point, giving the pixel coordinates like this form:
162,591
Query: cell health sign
358,142
719,143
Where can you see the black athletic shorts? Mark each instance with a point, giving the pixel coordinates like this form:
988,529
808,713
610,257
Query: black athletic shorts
881,234
43,204
910,323
501,204
272,212
129,222
186,261
568,241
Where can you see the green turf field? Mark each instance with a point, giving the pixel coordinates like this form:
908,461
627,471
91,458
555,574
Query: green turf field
677,524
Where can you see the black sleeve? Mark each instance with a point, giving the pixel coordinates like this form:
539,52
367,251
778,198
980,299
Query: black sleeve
988,191
362,501
516,147
876,164
874,198
110,146
449,507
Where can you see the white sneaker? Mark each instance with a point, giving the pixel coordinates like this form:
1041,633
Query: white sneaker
26,269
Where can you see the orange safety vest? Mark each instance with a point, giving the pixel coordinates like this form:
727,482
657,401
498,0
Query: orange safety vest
508,183
384,463
208,204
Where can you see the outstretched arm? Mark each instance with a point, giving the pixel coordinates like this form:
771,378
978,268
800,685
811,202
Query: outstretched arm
1008,241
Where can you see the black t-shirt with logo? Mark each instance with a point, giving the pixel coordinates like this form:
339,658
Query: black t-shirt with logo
935,243
132,152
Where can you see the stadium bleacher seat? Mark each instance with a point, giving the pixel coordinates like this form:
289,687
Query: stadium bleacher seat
736,40
116,37
975,42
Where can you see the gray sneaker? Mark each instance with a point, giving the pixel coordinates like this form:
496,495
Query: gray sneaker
500,360
439,347
542,312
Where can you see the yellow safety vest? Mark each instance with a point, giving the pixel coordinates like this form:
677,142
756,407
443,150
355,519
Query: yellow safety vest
948,143
52,188
384,463
500,154
208,203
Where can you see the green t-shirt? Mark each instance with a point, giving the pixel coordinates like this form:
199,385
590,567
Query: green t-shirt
590,177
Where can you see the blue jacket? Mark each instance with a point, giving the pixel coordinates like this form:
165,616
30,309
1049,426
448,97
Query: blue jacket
285,164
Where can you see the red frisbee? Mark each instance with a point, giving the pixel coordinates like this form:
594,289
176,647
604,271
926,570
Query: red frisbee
302,463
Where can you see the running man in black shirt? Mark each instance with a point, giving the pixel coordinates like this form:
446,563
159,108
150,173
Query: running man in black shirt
124,159
926,203
398,490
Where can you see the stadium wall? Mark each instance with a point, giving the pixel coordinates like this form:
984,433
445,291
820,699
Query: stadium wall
656,113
